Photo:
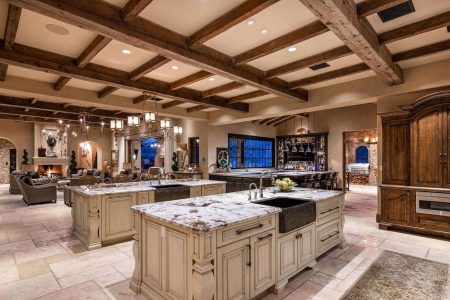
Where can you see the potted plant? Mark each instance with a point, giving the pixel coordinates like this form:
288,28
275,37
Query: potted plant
285,185
175,162
73,163
25,157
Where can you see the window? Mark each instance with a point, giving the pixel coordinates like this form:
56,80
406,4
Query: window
362,155
148,153
250,151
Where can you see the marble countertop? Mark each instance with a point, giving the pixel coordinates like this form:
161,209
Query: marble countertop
213,212
141,186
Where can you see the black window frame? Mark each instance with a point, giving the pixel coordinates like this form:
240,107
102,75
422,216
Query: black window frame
252,137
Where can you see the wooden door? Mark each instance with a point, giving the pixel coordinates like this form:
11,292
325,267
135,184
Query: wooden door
395,205
446,146
427,131
307,245
396,152
262,272
287,257
233,271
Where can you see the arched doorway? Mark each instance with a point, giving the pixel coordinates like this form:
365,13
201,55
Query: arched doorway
89,155
8,159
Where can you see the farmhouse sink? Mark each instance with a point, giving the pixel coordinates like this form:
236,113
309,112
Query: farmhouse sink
295,213
167,192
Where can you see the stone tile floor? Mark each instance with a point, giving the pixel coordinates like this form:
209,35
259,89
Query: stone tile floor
39,259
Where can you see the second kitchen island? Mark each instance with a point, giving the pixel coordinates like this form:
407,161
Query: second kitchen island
227,247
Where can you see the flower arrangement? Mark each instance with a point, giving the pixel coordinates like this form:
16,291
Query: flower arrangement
285,184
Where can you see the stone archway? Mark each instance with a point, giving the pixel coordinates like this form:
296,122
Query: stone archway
7,153
89,155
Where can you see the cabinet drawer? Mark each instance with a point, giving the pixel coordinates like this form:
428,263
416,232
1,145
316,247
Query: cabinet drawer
212,189
328,236
328,210
242,231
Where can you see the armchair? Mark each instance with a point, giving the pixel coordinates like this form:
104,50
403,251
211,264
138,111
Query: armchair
35,194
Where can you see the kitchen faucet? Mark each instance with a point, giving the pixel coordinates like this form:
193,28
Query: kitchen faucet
250,191
261,187
160,174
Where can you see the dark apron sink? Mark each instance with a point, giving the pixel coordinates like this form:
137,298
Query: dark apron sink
167,192
167,186
295,213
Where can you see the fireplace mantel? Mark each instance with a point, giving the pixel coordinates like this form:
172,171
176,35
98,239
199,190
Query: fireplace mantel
64,161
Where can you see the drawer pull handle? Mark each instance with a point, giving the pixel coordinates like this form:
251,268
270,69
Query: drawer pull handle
331,209
330,236
298,236
249,262
241,231
260,238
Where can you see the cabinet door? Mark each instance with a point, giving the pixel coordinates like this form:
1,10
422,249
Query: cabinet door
395,206
262,272
152,268
209,190
288,257
233,271
118,220
176,264
427,131
306,245
446,146
396,152
196,191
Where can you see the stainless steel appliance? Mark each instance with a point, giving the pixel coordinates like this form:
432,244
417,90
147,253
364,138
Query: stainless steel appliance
433,203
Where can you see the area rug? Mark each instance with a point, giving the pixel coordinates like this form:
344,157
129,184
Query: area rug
398,276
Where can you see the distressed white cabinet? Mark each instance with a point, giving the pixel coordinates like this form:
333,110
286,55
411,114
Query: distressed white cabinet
196,191
213,189
117,217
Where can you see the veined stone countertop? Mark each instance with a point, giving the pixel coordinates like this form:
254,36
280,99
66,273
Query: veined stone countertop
141,186
213,212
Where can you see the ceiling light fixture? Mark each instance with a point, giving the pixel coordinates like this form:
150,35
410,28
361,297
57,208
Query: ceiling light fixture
175,67
126,51
57,29
292,49
211,78
250,22
264,30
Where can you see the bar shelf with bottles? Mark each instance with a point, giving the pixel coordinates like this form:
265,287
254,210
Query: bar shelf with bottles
306,152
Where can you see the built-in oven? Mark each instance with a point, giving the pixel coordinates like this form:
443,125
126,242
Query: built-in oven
433,203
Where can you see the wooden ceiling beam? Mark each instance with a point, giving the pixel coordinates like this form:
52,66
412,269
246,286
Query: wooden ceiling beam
180,83
195,108
247,96
340,16
222,89
289,39
97,45
265,120
323,57
134,8
106,91
145,97
283,121
422,51
105,19
55,107
233,17
12,24
274,120
370,7
172,104
35,119
413,29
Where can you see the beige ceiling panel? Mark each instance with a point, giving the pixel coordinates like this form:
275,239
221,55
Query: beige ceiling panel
127,93
424,10
419,40
3,16
208,83
70,41
279,19
210,109
187,105
167,72
341,80
118,3
243,90
187,16
113,57
86,85
31,74
425,60
334,65
305,49
258,99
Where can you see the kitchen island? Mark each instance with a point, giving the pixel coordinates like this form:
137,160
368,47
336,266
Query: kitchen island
101,214
229,247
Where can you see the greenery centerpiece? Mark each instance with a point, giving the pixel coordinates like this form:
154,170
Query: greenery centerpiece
285,184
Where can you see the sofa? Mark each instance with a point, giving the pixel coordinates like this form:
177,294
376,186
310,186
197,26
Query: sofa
14,187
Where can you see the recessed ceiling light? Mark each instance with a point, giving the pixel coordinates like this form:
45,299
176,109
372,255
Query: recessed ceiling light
264,30
211,78
292,49
175,67
250,21
126,51
57,29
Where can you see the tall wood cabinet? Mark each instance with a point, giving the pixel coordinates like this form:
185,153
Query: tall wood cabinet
415,152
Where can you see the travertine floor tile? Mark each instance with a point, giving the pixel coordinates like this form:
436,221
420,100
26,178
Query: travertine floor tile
32,268
85,291
17,246
29,288
122,291
81,277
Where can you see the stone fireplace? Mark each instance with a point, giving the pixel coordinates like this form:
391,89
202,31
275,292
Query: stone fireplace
50,169
51,165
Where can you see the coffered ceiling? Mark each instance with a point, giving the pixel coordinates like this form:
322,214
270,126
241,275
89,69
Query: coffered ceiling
215,54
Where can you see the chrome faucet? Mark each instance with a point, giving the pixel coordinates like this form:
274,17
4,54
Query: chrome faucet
250,191
160,174
261,187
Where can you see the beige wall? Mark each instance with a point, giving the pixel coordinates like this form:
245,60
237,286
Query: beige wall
335,122
21,134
